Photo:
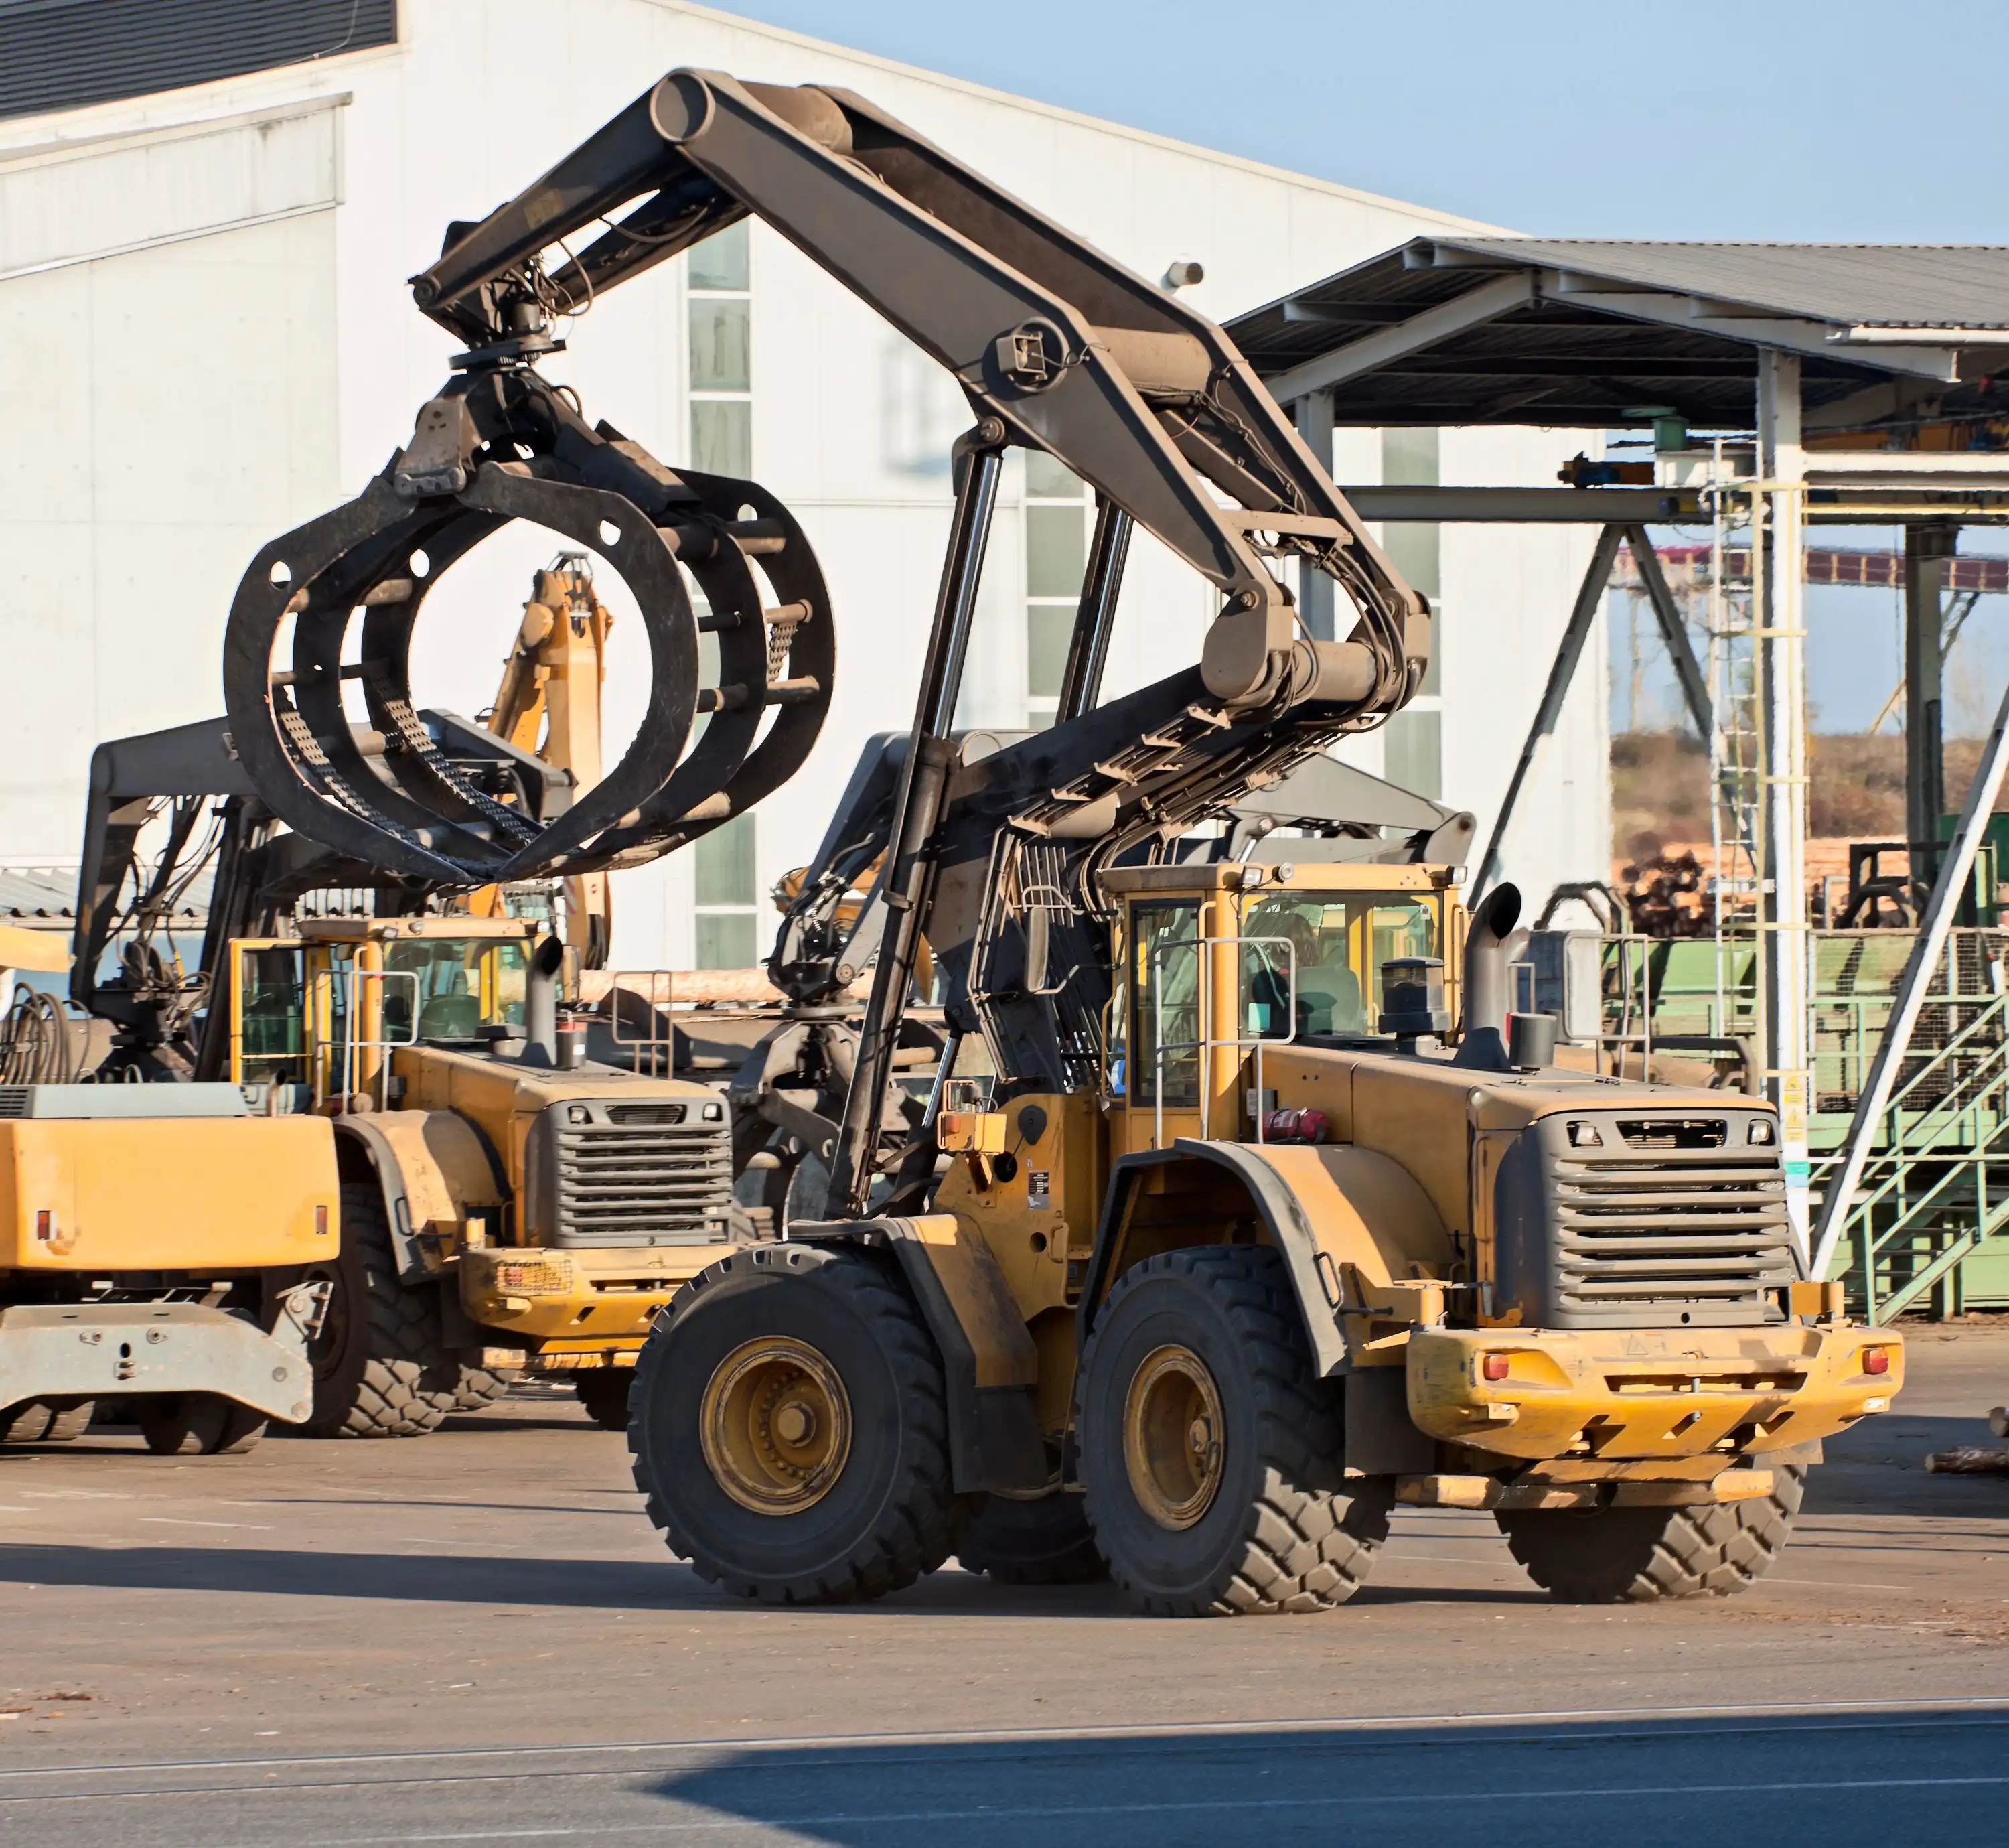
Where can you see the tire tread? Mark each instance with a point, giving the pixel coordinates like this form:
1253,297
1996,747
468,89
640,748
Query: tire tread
1310,1541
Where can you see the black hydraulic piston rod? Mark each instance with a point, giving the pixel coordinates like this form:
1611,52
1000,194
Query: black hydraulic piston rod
1095,616
924,783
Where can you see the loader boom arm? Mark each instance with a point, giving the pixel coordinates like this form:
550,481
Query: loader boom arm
1138,395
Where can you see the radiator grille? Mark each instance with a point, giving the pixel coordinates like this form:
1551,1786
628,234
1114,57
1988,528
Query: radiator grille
642,1183
639,1116
1684,1226
1675,1132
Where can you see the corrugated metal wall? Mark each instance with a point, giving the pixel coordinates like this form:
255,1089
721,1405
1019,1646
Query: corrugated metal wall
65,54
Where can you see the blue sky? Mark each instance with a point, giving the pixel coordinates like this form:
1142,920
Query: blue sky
1842,121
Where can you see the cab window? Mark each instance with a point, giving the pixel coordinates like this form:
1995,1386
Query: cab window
272,1013
1338,941
1164,985
458,986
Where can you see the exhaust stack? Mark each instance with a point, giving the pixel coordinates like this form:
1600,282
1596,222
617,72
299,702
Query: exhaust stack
1484,1001
540,1003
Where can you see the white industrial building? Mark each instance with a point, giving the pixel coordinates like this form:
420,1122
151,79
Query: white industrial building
209,338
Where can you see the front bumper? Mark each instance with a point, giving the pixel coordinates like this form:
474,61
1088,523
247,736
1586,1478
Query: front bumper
590,1298
1624,1393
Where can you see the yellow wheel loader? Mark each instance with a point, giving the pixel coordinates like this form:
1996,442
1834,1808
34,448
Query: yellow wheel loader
1290,1262
510,1208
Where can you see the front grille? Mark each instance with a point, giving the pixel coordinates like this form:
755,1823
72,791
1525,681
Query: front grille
1679,1132
1670,1221
631,1182
1710,1233
640,1116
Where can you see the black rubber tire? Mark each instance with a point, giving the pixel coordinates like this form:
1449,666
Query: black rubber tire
199,1424
27,1423
478,1386
1637,1556
381,1366
604,1392
69,1419
1045,1542
1286,1531
885,1520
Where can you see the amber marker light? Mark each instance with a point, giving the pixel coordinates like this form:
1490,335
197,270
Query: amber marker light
1875,1360
1496,1366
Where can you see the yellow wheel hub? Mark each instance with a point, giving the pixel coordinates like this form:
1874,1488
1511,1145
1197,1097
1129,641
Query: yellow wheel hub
1172,1434
775,1425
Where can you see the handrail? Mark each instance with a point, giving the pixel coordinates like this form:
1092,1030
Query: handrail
1208,1042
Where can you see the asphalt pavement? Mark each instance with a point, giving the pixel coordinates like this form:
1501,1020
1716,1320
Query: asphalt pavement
475,1637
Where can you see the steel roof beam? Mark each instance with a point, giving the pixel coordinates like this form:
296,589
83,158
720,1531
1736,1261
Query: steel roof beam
1372,352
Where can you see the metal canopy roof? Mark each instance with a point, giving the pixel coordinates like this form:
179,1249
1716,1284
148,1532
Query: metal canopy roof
1600,333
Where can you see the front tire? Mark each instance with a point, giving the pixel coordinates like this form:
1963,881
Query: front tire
1638,1555
381,1366
789,1428
1211,1451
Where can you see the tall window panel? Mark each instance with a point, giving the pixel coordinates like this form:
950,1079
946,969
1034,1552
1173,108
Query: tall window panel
727,911
1057,513
720,308
1412,741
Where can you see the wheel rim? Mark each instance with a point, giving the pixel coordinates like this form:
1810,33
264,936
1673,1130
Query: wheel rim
1172,1431
775,1425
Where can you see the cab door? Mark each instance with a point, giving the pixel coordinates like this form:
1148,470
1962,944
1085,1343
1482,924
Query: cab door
1161,1001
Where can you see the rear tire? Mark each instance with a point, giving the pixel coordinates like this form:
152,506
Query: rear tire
1045,1542
789,1429
604,1392
1637,1555
199,1424
1211,1451
27,1423
68,1420
382,1368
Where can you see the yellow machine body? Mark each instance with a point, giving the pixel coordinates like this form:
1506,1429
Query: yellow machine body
247,1193
1388,1221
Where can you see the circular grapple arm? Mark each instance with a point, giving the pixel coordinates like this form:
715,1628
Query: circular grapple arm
701,554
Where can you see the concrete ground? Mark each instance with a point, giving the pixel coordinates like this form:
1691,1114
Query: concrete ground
476,1637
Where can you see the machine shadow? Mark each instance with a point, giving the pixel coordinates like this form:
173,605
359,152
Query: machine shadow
576,1583
1510,1785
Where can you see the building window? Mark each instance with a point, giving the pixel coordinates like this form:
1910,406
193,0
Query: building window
1412,741
1056,515
720,314
1415,547
727,912
1412,751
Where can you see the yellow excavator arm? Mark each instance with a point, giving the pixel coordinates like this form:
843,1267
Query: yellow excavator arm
549,703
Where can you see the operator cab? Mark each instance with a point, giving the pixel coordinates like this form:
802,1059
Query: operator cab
321,1010
1216,961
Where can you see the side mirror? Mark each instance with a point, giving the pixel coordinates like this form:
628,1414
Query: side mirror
1563,974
